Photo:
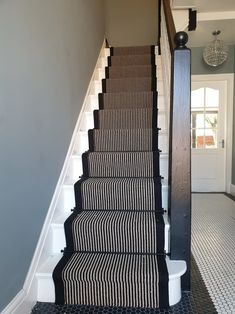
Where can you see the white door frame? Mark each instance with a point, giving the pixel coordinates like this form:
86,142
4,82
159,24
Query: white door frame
229,79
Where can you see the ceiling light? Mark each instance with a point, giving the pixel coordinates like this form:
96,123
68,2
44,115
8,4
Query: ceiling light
216,52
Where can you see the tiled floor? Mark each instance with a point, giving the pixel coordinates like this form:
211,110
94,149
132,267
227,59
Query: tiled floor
213,247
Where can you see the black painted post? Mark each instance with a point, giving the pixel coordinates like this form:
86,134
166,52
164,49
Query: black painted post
180,156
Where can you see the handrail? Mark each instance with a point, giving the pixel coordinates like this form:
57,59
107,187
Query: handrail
171,31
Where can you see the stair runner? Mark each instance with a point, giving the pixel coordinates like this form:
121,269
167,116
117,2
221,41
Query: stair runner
115,236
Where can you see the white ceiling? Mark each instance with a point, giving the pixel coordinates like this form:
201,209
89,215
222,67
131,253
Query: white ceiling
211,15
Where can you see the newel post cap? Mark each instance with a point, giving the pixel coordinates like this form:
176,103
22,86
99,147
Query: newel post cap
181,39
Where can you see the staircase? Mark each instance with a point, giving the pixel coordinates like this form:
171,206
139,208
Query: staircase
118,234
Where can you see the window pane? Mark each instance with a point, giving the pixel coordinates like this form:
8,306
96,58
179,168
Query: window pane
197,120
212,97
193,138
211,120
210,138
200,140
197,98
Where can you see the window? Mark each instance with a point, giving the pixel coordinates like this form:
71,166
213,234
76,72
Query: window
204,118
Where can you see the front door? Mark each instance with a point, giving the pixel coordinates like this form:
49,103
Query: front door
208,105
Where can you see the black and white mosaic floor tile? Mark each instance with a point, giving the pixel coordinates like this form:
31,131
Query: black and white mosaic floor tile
213,247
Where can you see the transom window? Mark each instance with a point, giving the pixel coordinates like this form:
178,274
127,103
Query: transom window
204,118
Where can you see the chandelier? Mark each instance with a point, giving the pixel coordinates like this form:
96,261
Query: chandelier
216,52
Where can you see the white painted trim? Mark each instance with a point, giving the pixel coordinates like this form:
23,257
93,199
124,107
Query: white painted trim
232,189
213,16
25,295
179,5
14,305
181,19
229,78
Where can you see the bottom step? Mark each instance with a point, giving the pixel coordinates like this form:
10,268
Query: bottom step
46,285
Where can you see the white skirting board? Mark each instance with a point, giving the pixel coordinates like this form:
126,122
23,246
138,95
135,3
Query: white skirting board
232,189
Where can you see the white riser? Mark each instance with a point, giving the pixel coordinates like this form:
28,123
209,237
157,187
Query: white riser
160,88
46,286
66,201
99,74
161,102
75,168
92,103
87,121
106,52
163,142
158,61
103,62
159,73
81,144
162,120
164,166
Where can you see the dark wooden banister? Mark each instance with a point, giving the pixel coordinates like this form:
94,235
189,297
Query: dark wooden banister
179,146
170,25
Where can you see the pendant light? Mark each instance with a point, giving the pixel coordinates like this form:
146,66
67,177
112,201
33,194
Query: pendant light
216,52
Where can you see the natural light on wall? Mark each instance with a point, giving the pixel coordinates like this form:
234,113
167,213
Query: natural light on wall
204,118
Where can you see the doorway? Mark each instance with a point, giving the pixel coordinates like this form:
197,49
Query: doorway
211,132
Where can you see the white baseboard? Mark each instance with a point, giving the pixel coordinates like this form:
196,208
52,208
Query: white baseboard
232,189
15,305
25,299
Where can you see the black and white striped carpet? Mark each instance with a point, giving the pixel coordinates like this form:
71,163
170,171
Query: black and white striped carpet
114,252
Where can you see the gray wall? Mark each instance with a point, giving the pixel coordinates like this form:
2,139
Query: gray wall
48,52
199,67
131,22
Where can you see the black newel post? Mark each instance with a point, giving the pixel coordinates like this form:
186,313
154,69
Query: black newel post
180,155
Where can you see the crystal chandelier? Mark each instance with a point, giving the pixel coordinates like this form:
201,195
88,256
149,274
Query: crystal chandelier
216,52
